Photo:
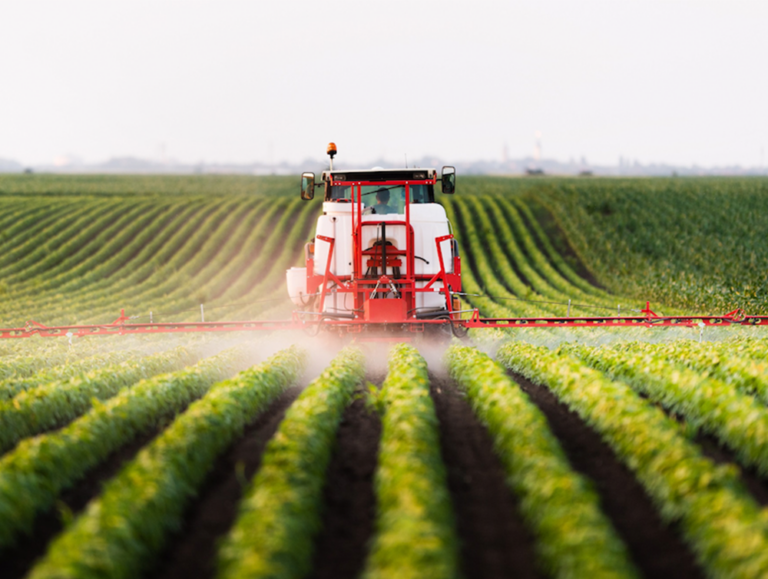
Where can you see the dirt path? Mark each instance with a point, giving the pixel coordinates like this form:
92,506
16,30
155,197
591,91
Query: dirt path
349,499
494,542
192,551
656,548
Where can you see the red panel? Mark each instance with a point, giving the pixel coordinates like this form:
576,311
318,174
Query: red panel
385,310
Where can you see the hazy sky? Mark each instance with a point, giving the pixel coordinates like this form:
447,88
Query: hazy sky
226,81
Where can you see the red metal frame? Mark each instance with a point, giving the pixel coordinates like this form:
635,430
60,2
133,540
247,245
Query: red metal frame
122,325
362,287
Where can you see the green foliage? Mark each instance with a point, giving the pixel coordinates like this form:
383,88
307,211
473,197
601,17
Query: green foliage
78,248
144,185
166,252
573,537
11,386
693,243
120,532
279,514
737,420
38,469
56,403
742,362
24,366
719,519
415,534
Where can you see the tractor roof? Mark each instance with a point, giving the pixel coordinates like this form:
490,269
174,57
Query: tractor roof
379,174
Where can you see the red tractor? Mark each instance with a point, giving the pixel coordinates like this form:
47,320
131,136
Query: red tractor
383,255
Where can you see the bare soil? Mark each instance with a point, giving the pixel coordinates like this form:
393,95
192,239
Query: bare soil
656,548
349,498
191,552
494,542
755,484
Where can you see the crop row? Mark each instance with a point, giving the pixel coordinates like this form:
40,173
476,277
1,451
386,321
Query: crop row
11,386
220,255
119,220
718,518
169,254
27,250
415,534
279,513
741,362
72,264
56,403
38,469
693,243
573,536
506,266
738,420
471,283
44,299
164,273
121,531
21,230
159,279
512,236
497,271
538,237
25,358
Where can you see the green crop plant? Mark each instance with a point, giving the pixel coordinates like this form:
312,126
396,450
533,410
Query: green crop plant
120,532
279,514
554,499
691,243
10,387
718,518
56,403
415,535
738,420
741,363
38,469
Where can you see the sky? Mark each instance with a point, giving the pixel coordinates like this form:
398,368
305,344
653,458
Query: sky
678,82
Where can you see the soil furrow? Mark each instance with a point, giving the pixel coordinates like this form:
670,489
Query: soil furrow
494,541
656,548
756,485
17,562
349,498
191,552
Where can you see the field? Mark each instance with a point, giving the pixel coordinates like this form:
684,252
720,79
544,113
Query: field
517,453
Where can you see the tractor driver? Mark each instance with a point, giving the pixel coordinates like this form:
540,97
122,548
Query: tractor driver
382,200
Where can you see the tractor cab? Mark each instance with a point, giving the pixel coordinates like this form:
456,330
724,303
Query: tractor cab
377,197
383,253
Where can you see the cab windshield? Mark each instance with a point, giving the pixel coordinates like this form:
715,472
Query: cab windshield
383,199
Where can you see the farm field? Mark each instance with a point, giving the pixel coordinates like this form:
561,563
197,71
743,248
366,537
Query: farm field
513,453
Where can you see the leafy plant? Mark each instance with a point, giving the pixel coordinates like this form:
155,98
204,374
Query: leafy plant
554,499
38,469
279,514
56,403
121,531
415,534
719,519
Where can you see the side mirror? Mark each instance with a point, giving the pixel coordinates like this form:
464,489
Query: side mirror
449,179
307,186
